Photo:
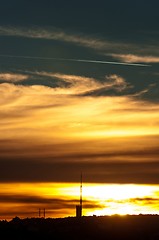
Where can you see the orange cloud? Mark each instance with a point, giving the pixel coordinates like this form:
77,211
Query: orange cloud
48,112
13,77
130,58
57,127
61,35
82,84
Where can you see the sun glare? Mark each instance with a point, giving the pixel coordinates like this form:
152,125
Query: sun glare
60,199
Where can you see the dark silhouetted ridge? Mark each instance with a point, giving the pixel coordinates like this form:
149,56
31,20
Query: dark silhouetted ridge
141,227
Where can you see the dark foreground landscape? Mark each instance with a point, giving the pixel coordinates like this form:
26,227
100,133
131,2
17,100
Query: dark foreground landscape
103,227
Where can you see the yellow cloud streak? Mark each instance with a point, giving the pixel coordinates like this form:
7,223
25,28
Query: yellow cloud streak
42,111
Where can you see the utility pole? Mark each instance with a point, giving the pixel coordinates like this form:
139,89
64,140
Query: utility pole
44,212
39,212
81,194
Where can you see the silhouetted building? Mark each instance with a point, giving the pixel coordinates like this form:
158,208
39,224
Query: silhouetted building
79,207
78,211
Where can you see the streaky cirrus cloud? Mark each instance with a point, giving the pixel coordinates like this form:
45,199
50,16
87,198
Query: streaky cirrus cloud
75,84
99,44
80,39
13,77
131,58
82,84
55,34
69,84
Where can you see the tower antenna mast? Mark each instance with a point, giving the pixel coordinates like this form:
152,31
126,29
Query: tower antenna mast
81,192
79,206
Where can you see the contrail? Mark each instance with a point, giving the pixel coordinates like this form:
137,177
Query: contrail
78,60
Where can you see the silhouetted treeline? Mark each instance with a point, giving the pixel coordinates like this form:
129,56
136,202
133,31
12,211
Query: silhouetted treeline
142,227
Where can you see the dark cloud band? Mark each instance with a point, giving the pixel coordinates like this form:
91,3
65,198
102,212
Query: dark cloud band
97,172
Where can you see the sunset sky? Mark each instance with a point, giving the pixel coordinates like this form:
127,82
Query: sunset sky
79,92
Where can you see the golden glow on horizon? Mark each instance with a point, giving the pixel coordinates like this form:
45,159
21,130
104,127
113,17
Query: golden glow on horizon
39,123
98,199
